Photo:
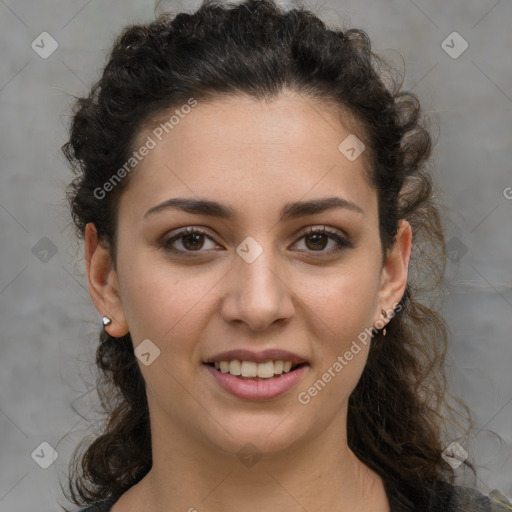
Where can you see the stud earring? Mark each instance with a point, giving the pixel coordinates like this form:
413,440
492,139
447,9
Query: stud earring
385,315
106,321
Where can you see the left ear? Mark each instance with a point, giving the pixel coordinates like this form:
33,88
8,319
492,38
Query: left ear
395,270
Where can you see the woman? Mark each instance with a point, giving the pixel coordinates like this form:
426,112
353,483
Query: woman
259,222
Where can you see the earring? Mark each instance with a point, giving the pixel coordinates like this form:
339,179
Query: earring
106,321
385,315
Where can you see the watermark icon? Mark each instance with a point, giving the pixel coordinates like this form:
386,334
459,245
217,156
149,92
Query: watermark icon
351,147
44,249
454,45
507,192
147,352
454,455
249,454
45,455
44,45
455,249
143,151
304,397
249,249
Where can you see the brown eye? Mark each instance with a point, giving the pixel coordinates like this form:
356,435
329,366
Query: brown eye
191,239
317,239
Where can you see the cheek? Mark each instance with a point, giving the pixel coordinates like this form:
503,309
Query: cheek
342,339
345,302
160,302
344,307
172,312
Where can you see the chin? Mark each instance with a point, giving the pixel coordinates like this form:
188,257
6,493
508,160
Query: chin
253,437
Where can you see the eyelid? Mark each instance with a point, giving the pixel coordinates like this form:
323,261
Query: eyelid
166,243
343,242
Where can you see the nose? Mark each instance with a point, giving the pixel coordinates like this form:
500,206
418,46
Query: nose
257,293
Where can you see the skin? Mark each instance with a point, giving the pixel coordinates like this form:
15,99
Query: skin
254,157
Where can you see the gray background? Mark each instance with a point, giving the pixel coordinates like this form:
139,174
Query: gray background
49,326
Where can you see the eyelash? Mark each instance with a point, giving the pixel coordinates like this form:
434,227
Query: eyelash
342,242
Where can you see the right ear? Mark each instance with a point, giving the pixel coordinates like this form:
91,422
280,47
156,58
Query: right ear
103,283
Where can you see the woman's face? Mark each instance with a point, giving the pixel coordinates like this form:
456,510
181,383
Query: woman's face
253,280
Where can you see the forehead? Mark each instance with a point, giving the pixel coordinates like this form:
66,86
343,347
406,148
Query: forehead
281,149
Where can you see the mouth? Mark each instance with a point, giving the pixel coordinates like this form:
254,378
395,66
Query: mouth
249,370
249,380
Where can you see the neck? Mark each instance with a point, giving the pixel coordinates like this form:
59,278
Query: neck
309,475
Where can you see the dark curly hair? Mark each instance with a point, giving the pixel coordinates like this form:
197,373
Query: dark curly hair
398,413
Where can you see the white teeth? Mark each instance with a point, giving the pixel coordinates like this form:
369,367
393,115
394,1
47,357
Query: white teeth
266,370
249,369
278,367
252,369
235,367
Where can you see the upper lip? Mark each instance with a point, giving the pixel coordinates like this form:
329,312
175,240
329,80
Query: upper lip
273,354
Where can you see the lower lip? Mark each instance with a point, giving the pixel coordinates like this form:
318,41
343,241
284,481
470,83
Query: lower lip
257,389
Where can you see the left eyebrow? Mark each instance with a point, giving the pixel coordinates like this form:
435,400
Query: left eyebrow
289,211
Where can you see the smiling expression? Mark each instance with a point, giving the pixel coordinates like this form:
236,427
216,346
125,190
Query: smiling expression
246,228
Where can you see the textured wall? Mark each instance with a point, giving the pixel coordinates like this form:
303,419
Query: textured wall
48,323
